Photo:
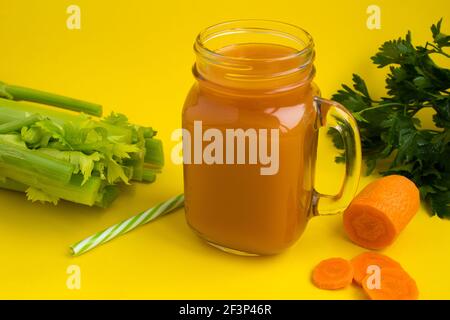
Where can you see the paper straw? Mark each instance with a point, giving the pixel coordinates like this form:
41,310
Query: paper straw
125,226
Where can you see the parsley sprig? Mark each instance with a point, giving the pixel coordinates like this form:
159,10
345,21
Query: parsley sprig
389,127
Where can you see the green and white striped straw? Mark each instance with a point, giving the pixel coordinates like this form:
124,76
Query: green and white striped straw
127,225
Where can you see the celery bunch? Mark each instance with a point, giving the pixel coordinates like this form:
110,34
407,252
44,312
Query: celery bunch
52,154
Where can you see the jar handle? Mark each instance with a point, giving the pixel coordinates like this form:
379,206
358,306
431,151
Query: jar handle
333,115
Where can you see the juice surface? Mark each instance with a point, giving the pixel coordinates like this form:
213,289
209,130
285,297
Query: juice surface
233,205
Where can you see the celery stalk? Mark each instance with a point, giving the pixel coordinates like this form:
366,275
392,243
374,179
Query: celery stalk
74,191
154,154
52,154
107,195
136,159
19,123
16,158
13,110
18,93
104,198
146,166
10,184
148,175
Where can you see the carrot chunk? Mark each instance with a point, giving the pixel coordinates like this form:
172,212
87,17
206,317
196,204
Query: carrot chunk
378,214
395,284
332,274
366,259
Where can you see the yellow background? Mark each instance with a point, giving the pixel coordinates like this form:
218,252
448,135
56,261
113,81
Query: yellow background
135,57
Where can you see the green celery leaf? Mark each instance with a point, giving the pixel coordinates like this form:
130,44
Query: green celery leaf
34,195
117,119
82,162
114,172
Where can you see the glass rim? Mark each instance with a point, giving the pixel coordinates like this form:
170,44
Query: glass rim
233,26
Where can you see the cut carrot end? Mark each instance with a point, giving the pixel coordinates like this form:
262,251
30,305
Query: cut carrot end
368,227
381,211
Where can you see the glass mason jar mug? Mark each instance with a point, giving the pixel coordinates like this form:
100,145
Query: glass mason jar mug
250,134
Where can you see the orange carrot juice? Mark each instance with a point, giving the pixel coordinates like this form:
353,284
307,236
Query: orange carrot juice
255,97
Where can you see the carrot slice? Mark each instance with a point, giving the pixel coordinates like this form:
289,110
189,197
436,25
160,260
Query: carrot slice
365,259
378,214
395,284
333,273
